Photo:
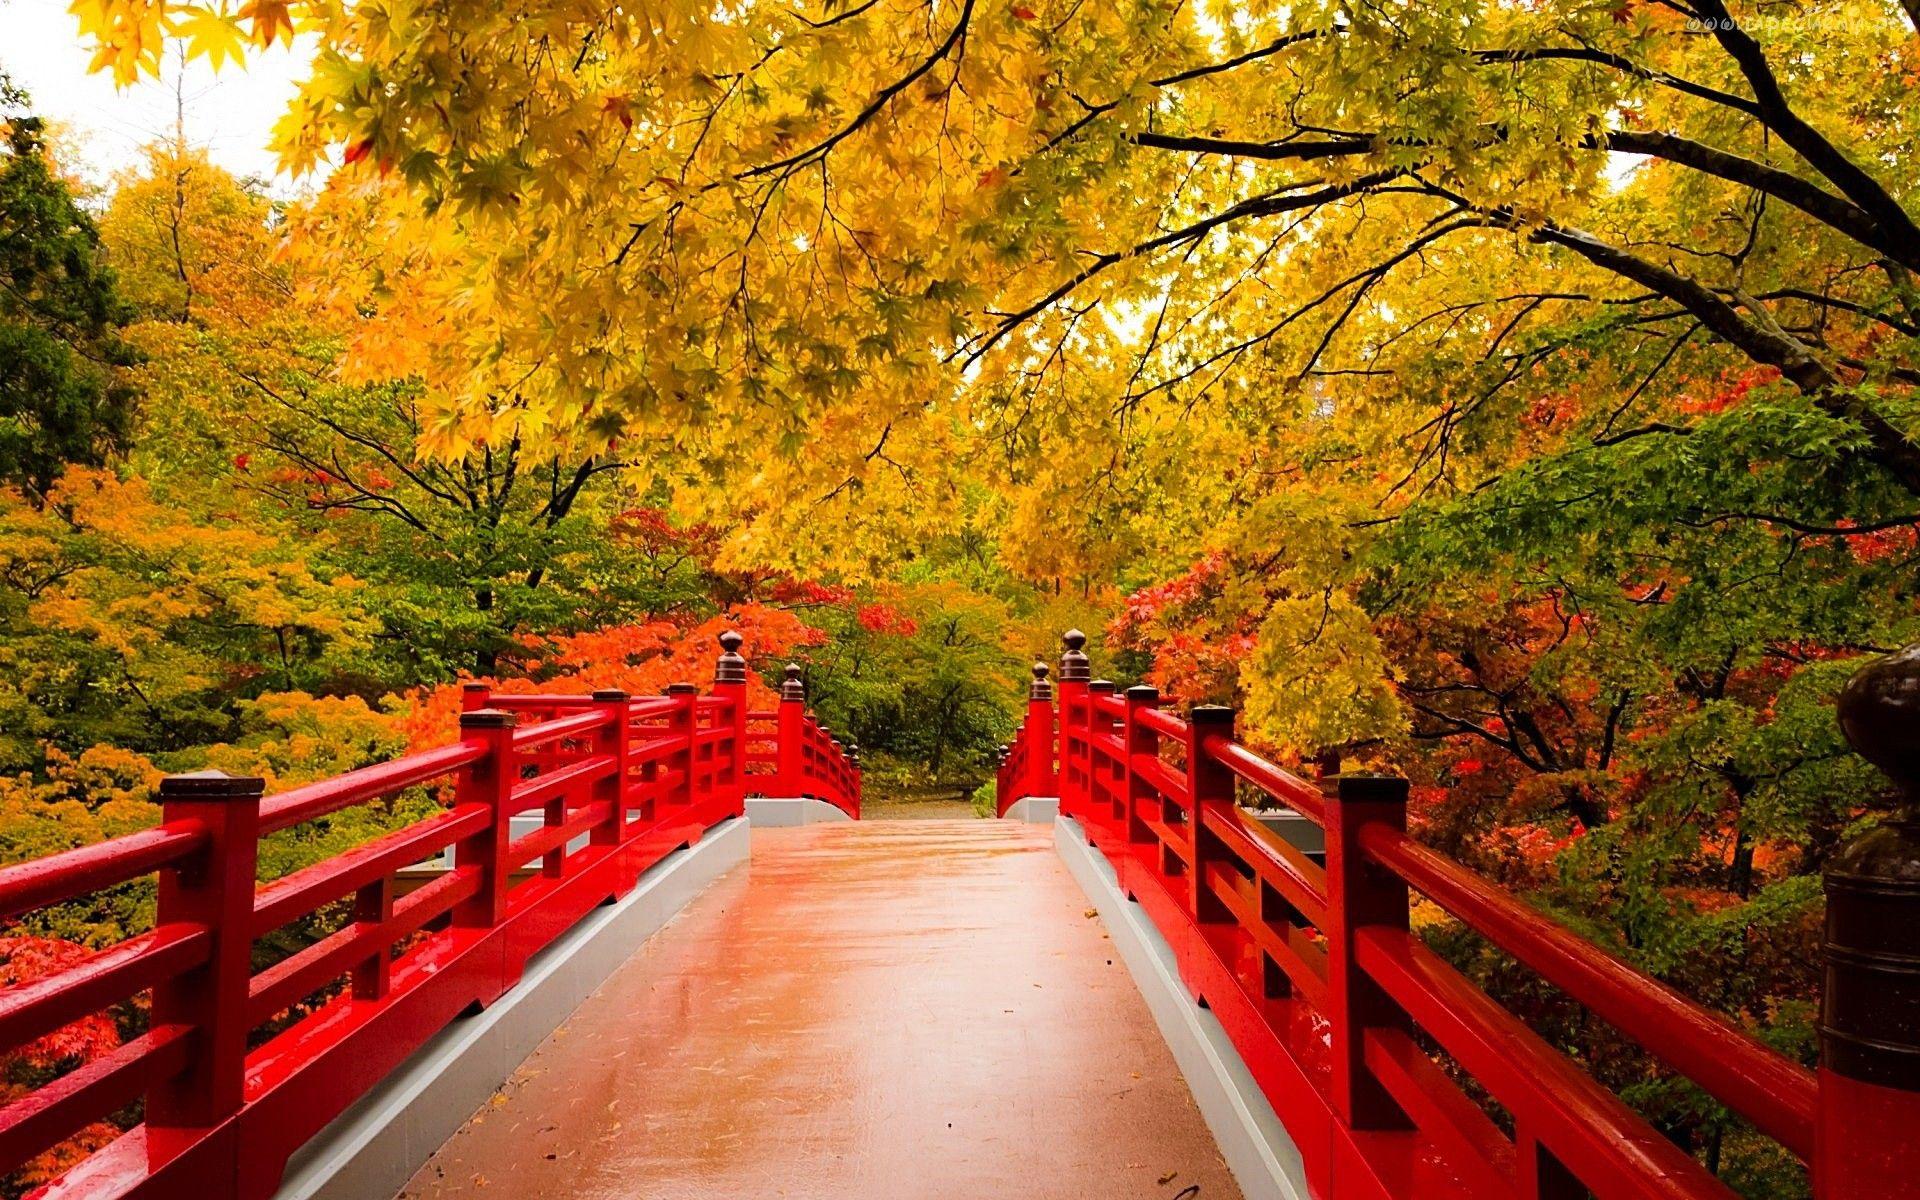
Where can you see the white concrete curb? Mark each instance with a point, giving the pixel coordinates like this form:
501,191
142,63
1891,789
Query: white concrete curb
1263,1158
777,812
1035,810
372,1149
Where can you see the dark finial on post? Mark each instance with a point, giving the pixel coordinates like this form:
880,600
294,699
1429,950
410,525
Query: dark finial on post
1880,716
731,667
1870,1001
1040,688
1074,667
853,753
792,687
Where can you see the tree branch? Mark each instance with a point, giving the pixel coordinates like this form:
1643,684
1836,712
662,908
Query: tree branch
1778,115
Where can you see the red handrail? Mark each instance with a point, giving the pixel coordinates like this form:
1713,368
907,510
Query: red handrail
807,761
619,784
1326,992
39,882
1768,1089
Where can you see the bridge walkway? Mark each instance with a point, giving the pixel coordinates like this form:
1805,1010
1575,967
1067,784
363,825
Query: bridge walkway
906,1010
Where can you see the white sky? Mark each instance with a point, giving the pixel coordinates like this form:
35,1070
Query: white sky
231,114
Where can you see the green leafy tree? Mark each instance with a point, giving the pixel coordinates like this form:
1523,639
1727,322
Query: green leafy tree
64,396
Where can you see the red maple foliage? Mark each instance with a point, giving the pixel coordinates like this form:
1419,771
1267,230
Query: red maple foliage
640,659
1195,653
22,960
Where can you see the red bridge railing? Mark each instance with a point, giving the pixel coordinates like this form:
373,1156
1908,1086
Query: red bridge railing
636,777
798,756
1335,1004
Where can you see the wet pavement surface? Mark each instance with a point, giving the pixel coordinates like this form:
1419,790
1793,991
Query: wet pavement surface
903,1010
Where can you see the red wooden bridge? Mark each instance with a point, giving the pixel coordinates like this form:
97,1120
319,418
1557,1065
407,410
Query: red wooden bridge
914,1010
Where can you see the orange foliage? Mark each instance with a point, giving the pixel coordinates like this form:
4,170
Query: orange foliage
640,660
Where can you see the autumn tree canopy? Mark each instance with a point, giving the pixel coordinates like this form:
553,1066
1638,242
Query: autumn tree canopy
1517,396
877,235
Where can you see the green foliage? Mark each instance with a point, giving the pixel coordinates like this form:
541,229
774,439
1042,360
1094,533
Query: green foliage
924,676
64,397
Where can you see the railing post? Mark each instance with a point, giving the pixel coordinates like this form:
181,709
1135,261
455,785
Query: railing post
475,696
1869,1098
1037,736
1359,895
684,720
490,782
215,889
1101,796
730,684
853,770
373,906
1209,786
615,738
1137,739
790,732
1075,671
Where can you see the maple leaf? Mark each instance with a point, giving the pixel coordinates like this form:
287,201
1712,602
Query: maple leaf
620,108
214,35
272,20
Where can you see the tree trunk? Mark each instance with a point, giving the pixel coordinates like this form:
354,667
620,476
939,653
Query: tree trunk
485,658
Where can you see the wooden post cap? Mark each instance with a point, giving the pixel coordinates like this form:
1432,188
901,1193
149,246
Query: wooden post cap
1879,712
1362,788
1074,667
211,785
1870,997
489,718
1040,689
731,667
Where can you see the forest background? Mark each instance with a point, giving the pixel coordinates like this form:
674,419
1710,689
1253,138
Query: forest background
1518,397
